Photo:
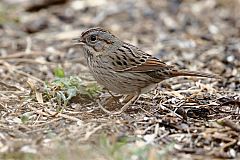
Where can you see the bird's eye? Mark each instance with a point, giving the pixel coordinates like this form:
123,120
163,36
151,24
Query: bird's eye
93,38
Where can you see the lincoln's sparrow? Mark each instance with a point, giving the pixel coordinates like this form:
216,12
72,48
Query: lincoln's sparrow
124,68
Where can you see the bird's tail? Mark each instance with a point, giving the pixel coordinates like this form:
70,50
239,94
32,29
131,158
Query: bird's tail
195,73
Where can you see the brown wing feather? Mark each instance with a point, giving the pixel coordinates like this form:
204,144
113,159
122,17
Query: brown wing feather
151,64
136,60
132,59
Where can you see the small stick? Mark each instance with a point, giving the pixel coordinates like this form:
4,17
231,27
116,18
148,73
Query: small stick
229,123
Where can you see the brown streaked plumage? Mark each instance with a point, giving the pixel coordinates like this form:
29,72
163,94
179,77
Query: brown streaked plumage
124,68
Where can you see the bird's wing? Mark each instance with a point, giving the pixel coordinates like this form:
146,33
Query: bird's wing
131,59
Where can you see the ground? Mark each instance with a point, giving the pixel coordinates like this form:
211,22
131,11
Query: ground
49,103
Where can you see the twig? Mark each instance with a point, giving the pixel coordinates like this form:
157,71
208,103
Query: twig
29,45
13,69
88,134
52,113
63,115
47,122
227,122
38,111
8,85
165,108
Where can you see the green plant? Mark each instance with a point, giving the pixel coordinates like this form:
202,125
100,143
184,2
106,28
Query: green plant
62,89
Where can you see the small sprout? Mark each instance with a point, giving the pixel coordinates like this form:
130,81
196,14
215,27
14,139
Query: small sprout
24,119
59,72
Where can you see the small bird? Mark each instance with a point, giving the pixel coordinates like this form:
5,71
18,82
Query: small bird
123,68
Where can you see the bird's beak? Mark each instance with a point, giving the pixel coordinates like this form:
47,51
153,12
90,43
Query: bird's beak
77,41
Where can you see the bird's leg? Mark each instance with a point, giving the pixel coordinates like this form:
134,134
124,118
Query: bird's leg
115,98
130,101
111,99
127,98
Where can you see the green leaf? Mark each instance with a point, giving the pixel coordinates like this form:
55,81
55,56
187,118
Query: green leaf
71,92
93,89
59,72
24,119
